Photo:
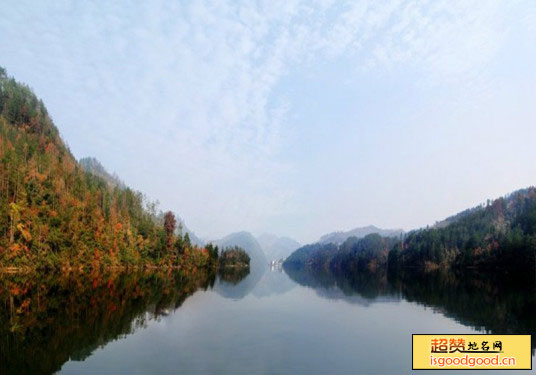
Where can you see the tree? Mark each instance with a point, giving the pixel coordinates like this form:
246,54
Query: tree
212,252
187,242
169,227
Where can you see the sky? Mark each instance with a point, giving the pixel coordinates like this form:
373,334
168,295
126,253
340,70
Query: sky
292,117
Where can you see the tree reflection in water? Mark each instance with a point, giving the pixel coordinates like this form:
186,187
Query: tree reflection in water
233,275
45,320
491,302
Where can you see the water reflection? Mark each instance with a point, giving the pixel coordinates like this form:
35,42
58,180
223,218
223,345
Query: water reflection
236,285
491,302
233,275
47,319
273,282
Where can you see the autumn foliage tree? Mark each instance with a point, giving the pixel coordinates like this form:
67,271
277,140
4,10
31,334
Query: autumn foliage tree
169,226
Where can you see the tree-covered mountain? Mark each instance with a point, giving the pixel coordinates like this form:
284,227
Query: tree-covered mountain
276,247
366,253
339,237
498,235
57,212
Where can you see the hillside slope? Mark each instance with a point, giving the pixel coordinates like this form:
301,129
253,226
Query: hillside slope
54,213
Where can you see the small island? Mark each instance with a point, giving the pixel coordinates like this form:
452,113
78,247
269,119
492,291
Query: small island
234,257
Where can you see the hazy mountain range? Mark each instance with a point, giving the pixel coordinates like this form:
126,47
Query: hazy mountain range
276,247
339,237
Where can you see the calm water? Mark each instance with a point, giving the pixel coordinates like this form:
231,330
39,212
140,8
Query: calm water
267,322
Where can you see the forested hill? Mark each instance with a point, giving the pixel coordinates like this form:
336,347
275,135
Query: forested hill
55,214
498,235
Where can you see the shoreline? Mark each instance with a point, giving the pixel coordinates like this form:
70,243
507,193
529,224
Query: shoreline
83,269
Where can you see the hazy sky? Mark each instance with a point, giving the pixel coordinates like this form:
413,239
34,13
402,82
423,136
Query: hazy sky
292,117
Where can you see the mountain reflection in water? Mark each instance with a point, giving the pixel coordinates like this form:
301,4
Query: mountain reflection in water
491,302
48,320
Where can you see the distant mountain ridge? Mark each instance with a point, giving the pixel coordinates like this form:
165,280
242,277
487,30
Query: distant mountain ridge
276,247
93,166
194,239
339,237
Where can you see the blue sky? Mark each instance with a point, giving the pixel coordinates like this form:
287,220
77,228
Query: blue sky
292,117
